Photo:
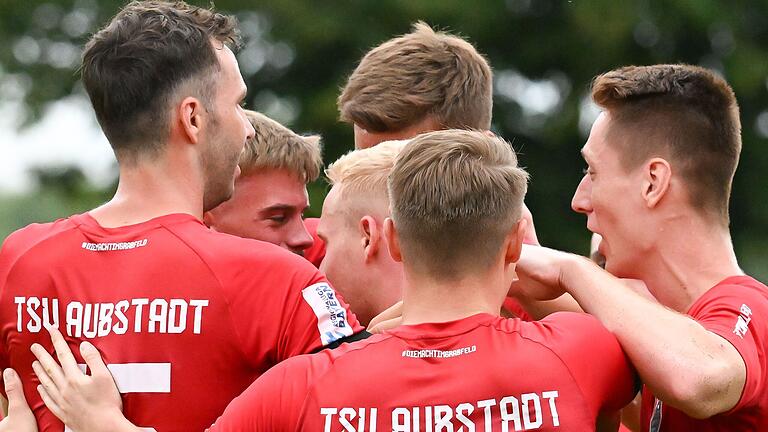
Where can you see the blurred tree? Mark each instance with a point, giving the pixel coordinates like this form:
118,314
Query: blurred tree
544,53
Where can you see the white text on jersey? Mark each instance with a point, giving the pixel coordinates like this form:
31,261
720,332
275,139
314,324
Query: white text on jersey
526,412
90,320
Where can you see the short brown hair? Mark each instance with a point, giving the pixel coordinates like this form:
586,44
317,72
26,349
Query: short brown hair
132,67
423,73
685,113
455,195
276,146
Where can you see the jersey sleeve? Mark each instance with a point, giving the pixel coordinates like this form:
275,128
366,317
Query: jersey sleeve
272,403
282,306
13,247
596,361
738,314
317,317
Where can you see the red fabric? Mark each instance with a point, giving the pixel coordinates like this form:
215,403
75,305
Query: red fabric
737,310
216,310
463,372
514,307
316,252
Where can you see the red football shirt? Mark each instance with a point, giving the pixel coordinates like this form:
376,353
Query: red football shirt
735,309
316,252
482,373
186,317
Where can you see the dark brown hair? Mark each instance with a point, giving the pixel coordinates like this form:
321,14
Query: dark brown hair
405,79
132,67
686,114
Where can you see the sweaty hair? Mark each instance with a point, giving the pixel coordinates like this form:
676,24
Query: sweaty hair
423,73
365,170
276,146
132,68
455,196
686,114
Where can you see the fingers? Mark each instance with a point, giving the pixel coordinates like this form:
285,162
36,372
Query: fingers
51,403
386,325
67,360
47,366
93,359
394,311
45,380
15,391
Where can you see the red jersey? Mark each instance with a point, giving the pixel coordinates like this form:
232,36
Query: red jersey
737,310
482,373
513,307
186,318
316,252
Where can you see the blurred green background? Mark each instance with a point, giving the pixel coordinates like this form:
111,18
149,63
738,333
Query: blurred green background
298,54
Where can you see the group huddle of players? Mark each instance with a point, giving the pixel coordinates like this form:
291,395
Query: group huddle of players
197,298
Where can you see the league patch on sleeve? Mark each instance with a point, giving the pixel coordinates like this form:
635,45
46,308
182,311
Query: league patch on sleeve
742,321
331,316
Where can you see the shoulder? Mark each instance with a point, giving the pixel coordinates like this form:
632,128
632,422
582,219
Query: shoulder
574,325
569,334
738,295
233,256
25,239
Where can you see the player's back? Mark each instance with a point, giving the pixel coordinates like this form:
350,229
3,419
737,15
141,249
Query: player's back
185,317
480,373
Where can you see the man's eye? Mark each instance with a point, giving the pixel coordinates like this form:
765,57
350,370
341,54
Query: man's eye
278,219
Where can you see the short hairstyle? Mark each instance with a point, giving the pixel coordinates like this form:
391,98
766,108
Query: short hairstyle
132,67
276,146
423,73
455,195
365,170
685,113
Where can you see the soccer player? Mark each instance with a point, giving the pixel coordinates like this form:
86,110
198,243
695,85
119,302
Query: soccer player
455,364
418,82
186,317
270,193
357,256
661,159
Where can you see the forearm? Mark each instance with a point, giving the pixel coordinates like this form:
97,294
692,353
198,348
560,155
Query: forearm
539,309
680,361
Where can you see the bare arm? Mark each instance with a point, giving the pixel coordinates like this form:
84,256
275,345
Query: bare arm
682,363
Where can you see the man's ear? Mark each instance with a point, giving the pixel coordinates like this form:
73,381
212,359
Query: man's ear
515,241
657,177
191,115
371,236
393,243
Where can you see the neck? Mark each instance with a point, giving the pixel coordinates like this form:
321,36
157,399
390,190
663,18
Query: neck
426,299
687,261
151,189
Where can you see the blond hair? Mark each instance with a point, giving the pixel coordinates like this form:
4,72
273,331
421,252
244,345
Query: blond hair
422,73
455,195
684,113
276,146
365,170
